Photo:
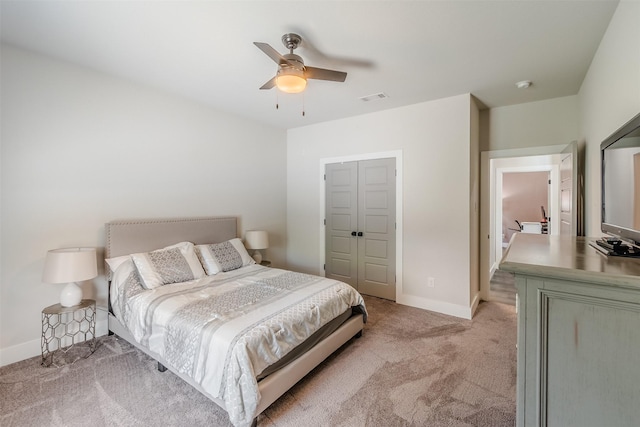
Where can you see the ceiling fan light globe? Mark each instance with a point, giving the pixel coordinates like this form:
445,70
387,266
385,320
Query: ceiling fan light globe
291,84
291,80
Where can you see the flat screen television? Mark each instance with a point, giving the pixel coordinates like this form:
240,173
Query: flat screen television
620,154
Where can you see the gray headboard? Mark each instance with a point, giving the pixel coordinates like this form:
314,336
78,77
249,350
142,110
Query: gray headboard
142,235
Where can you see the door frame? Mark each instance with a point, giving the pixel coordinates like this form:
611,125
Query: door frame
397,154
488,259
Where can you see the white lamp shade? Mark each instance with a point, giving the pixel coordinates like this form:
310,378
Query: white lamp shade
70,265
255,239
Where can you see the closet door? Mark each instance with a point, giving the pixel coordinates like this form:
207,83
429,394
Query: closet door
360,225
377,228
341,218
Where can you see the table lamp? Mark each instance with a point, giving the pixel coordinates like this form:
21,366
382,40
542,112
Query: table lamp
255,239
70,265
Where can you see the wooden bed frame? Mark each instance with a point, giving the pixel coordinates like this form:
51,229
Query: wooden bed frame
131,236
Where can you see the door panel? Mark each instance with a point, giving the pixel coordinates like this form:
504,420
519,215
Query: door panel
376,248
376,224
375,273
341,269
342,222
341,245
377,199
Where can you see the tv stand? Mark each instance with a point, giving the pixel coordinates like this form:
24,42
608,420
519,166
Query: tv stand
612,246
578,333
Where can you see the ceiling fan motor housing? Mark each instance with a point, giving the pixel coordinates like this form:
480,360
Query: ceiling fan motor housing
295,61
291,41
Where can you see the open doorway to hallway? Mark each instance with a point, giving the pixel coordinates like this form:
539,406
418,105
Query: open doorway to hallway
525,201
509,182
563,163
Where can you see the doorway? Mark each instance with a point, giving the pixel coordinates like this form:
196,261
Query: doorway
496,164
360,225
524,205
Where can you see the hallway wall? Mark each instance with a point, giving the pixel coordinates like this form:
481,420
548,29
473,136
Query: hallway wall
522,195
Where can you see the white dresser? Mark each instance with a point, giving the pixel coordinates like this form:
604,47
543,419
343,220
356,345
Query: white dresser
578,333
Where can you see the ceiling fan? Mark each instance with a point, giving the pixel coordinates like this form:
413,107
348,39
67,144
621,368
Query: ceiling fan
292,74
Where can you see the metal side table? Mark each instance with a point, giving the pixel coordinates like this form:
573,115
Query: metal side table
68,331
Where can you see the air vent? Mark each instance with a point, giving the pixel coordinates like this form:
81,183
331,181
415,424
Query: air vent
374,97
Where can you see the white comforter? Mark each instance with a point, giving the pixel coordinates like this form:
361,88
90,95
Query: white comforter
224,330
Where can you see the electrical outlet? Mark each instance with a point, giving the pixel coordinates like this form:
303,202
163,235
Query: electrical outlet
431,282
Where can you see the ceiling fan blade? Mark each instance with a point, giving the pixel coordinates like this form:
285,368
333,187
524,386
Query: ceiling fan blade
271,53
268,85
324,74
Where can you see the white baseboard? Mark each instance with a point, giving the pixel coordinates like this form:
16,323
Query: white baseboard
29,349
16,353
474,303
465,312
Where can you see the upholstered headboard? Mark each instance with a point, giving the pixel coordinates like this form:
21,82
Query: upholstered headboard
142,235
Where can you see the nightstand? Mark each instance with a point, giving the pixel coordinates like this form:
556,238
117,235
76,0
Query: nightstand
65,328
265,263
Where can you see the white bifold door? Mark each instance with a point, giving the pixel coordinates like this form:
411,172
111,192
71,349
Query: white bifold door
360,231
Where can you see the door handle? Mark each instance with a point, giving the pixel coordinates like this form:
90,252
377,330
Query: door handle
353,233
359,233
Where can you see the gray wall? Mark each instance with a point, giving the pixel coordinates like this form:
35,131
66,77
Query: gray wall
439,193
522,195
609,97
81,148
534,124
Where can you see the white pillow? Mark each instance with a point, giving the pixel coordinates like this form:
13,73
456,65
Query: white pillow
123,273
114,263
173,264
225,256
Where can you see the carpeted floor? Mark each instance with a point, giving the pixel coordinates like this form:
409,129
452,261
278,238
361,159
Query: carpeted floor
410,368
503,287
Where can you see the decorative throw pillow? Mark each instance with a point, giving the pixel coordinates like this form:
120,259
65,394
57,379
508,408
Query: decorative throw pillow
173,264
225,256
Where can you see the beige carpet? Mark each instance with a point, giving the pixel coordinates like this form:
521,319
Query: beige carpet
410,368
503,287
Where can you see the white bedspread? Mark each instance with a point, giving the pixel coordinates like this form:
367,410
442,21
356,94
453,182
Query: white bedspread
224,330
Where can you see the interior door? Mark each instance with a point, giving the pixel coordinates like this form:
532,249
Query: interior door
636,191
341,220
377,223
568,190
360,225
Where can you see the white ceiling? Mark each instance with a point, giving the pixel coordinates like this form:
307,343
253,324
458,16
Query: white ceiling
413,51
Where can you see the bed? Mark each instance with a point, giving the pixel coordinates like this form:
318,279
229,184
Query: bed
240,333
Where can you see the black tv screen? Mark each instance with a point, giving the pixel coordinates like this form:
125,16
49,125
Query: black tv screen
621,182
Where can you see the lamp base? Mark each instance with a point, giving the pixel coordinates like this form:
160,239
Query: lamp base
257,257
71,295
